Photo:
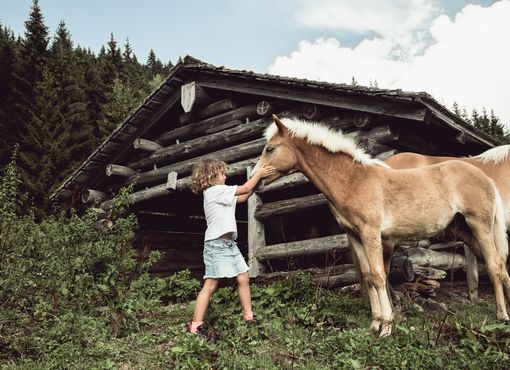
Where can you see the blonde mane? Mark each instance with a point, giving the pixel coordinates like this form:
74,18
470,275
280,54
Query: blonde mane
334,141
494,155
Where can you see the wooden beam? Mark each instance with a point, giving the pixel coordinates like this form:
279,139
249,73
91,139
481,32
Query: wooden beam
146,145
256,233
382,105
304,247
199,128
92,196
182,168
287,206
234,169
118,170
204,143
213,109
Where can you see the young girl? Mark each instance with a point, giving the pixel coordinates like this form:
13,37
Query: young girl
221,254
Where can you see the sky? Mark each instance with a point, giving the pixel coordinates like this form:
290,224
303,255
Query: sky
455,50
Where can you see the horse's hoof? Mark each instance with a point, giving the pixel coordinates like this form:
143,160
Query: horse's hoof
504,319
386,330
376,326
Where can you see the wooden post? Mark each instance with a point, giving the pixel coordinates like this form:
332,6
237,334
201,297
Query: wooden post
256,234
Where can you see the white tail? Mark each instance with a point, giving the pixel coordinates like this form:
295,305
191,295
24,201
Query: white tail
500,237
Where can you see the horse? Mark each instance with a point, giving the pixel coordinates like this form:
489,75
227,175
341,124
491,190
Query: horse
378,206
495,163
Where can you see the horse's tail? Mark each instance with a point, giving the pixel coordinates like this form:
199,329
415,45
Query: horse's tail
500,236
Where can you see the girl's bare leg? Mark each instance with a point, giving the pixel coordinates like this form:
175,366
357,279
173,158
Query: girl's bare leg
202,302
243,289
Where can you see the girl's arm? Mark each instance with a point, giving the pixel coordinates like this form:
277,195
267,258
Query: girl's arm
244,191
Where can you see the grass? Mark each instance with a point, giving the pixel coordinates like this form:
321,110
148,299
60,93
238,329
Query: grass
302,327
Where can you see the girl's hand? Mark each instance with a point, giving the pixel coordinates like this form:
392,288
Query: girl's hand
266,171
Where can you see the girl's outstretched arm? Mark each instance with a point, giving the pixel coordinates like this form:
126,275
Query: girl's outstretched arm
244,191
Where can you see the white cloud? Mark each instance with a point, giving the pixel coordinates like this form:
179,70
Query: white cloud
464,59
379,16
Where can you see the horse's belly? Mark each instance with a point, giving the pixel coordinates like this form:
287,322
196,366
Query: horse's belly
422,226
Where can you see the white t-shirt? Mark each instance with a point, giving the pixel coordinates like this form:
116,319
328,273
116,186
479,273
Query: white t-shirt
220,211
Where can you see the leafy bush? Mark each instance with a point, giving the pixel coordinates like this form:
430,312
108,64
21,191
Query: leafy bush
61,276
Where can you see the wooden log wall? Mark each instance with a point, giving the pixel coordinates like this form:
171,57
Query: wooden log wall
231,130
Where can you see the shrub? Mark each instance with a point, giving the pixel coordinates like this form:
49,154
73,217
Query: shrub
62,280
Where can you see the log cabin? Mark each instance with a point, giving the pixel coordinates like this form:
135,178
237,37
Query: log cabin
201,110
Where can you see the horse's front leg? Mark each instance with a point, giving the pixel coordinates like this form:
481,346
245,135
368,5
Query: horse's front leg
366,280
372,246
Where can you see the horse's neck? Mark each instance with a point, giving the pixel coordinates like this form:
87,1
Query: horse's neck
331,173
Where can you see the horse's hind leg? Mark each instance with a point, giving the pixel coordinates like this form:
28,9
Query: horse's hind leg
498,275
392,293
470,244
472,273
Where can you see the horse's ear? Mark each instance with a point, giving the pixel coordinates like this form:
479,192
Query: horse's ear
281,127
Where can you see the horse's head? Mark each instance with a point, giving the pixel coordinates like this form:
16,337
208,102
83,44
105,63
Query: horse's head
278,152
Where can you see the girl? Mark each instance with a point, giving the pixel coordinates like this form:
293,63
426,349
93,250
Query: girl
221,254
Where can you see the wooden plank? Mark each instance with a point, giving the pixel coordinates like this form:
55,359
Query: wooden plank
256,233
203,144
326,244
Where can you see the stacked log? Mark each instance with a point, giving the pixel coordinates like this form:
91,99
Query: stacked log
415,268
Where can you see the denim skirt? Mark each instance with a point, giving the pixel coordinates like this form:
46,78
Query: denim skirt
223,259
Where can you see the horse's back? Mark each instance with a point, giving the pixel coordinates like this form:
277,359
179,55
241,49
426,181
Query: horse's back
407,160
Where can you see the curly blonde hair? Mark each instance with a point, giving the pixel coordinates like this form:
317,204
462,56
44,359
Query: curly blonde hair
205,174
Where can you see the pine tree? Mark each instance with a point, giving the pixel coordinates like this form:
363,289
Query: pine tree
72,101
154,65
8,77
111,63
37,166
33,61
34,52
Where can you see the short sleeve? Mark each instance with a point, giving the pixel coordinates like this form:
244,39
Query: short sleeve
226,195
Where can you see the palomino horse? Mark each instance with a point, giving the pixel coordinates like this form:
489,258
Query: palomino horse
378,206
495,163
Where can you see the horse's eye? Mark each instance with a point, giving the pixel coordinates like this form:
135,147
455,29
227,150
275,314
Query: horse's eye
269,149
